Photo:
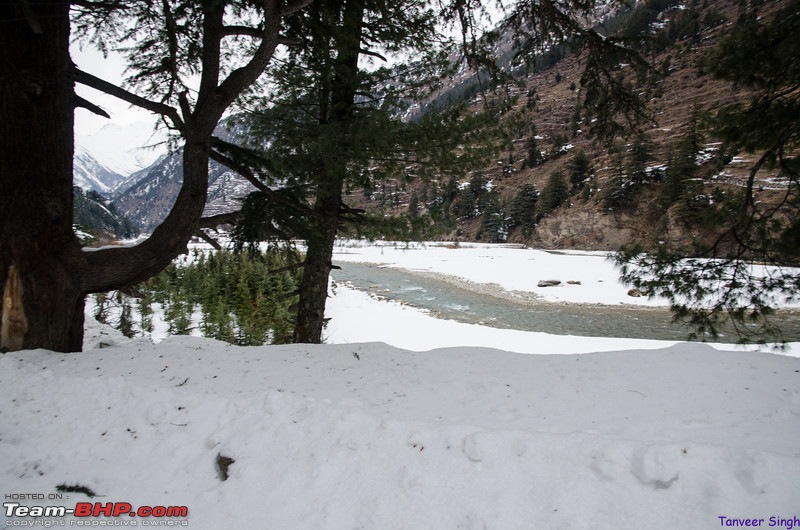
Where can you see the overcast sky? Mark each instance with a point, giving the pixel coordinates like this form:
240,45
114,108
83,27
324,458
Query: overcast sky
110,69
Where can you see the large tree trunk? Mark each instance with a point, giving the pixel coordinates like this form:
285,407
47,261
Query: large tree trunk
39,254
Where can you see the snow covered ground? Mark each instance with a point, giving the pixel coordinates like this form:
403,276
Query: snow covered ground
640,434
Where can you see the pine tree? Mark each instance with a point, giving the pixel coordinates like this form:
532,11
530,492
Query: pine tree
638,160
413,205
535,155
579,170
333,124
494,227
522,210
554,194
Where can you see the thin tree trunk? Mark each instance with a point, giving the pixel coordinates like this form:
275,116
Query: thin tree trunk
316,271
327,208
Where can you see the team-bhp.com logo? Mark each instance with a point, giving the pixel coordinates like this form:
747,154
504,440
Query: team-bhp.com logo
89,514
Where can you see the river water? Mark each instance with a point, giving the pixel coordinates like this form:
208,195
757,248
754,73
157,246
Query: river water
464,303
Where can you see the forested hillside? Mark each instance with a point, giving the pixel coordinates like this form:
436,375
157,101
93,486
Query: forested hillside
98,218
553,185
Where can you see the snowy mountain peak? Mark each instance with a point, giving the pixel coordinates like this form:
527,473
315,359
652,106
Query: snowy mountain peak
89,174
124,149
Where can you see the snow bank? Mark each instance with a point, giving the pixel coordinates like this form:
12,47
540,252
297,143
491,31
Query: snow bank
355,316
372,436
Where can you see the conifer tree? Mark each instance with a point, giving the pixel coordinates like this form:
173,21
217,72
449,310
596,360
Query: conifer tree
554,193
494,226
535,156
333,124
166,44
579,170
522,209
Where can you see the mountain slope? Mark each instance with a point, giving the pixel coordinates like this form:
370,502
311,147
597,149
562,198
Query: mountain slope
622,195
619,197
150,198
126,148
89,174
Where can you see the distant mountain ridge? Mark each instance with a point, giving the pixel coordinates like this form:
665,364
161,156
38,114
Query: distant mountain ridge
124,148
149,194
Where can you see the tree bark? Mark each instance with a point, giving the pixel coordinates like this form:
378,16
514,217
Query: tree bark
39,254
313,289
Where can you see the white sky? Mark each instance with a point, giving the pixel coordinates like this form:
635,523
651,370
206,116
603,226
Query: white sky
110,69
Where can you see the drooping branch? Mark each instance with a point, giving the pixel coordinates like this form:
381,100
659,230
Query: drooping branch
241,169
111,89
371,53
213,222
208,239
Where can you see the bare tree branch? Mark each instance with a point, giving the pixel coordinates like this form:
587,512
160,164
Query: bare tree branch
229,31
240,169
111,89
373,54
208,239
230,218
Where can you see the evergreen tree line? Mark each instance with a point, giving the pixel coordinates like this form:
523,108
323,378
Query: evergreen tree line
243,298
681,176
447,204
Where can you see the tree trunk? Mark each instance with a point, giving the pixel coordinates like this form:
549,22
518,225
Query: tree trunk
327,208
39,254
317,268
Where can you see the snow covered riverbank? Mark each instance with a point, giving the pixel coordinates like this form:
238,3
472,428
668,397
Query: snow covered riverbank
585,277
506,271
353,434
